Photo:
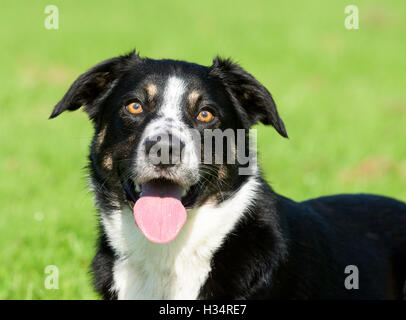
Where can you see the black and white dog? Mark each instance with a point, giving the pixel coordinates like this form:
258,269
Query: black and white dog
188,229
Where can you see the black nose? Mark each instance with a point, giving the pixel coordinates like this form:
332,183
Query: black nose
164,150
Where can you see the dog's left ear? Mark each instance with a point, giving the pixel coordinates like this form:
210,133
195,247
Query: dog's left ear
254,99
88,89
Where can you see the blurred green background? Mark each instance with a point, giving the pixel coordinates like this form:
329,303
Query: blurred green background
340,92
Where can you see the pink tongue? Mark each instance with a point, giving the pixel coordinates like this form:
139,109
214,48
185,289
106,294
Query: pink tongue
159,212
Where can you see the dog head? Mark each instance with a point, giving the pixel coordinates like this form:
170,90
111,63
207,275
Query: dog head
150,119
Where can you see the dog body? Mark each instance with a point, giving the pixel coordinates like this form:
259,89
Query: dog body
202,230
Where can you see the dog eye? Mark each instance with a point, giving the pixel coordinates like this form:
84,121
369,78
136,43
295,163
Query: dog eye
205,116
134,108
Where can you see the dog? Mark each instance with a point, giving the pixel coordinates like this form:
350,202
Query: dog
188,229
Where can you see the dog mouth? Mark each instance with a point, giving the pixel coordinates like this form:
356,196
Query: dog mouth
159,207
133,192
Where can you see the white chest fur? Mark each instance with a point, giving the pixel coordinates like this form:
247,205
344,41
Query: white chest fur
178,269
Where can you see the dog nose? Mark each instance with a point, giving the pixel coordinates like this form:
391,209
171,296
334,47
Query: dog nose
164,150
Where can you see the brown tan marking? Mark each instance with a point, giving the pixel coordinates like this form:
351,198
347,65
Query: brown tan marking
151,90
131,139
222,173
210,200
108,162
100,137
194,95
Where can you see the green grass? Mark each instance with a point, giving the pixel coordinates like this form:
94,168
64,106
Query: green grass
340,92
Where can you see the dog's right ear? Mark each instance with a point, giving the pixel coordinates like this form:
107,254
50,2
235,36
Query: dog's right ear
91,85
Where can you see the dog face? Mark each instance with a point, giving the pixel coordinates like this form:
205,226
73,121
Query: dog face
149,118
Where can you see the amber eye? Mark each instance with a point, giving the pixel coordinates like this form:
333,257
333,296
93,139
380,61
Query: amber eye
134,108
205,116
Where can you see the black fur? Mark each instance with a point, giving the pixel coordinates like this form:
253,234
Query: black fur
102,266
281,249
290,250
